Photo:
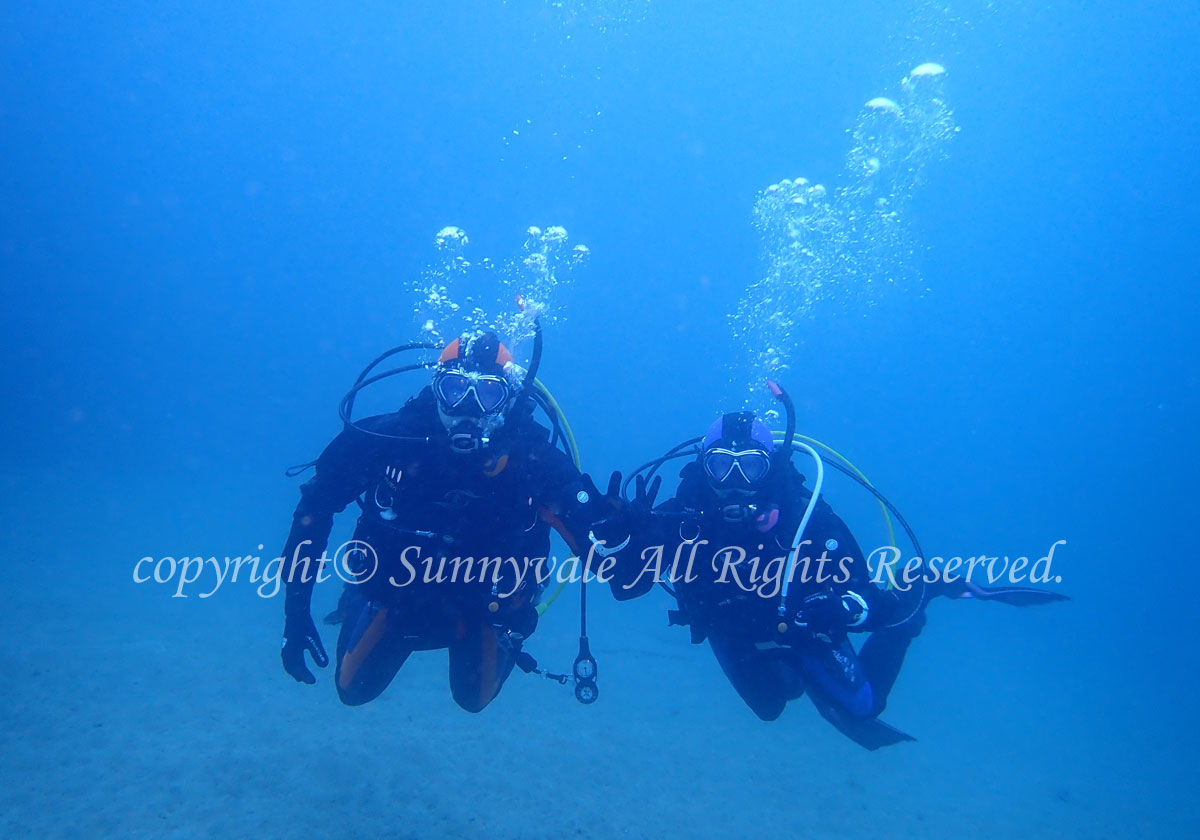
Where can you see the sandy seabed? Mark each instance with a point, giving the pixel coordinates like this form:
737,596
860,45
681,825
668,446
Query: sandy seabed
129,714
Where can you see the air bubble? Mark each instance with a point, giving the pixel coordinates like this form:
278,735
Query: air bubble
848,244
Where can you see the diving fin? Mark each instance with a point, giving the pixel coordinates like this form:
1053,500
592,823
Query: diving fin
870,733
1017,596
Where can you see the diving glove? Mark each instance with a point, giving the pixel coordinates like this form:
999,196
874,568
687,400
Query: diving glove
601,506
300,635
613,518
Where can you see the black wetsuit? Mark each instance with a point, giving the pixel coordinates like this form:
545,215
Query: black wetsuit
427,504
768,668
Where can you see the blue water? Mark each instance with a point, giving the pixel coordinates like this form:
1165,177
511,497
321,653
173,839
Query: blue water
212,215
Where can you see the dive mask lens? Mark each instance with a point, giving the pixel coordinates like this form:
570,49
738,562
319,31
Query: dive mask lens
718,463
452,388
754,465
492,393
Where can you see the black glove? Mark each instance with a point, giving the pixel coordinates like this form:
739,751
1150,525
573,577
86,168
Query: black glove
611,506
602,506
643,495
608,514
300,635
831,612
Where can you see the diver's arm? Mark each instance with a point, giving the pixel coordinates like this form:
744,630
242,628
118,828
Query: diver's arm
616,531
867,606
831,591
558,489
593,524
345,469
308,538
342,473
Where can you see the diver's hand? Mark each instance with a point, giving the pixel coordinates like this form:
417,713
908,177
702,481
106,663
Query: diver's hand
831,612
610,515
300,635
603,505
612,504
643,495
607,511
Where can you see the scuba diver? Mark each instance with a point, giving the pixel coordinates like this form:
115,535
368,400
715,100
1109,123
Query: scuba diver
764,570
462,470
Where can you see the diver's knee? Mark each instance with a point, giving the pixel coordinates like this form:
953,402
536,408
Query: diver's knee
471,701
354,696
767,710
354,692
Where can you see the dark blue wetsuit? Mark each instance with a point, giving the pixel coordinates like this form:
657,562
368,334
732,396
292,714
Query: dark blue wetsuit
428,504
765,667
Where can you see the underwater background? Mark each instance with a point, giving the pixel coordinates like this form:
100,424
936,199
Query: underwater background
212,215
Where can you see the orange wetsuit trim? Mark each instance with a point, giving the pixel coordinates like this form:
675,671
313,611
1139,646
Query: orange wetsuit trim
547,515
353,659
